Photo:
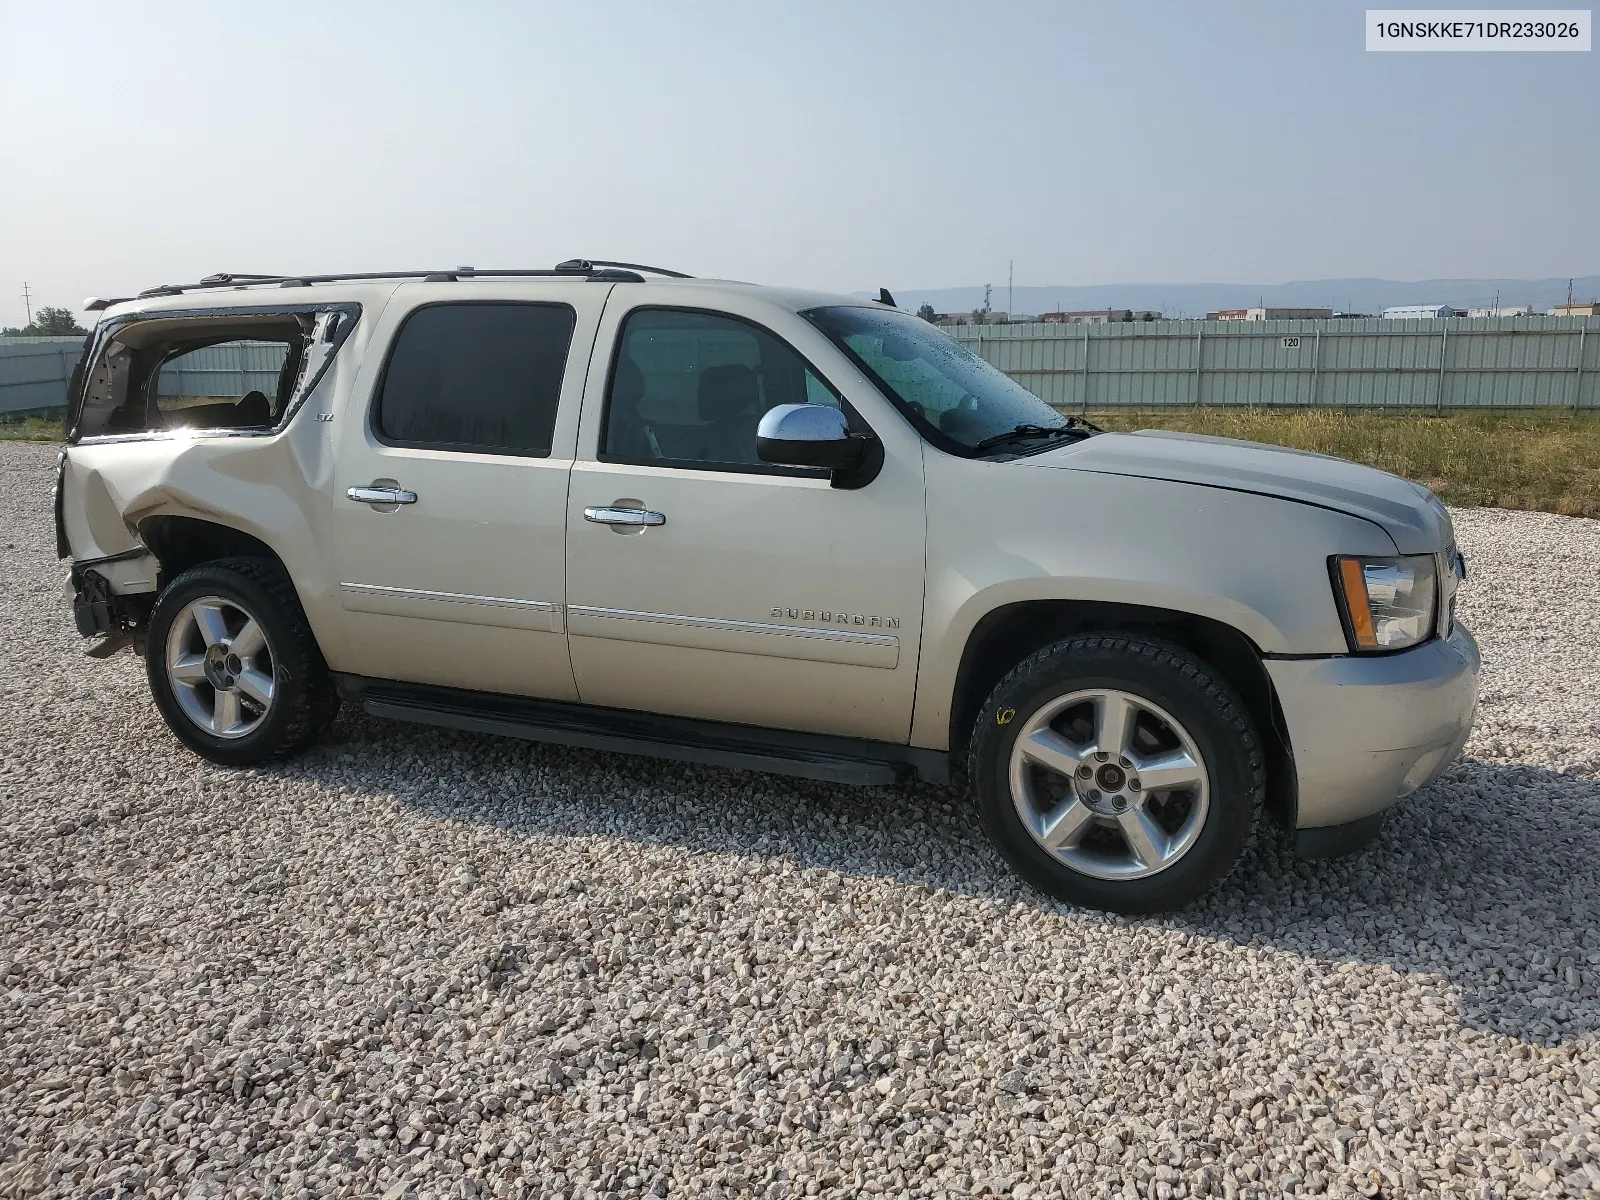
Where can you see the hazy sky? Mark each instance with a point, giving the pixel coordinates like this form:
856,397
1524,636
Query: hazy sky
840,146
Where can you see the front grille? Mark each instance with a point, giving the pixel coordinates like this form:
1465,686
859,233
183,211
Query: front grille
1449,579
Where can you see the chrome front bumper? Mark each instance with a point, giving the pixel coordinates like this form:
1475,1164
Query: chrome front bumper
1366,731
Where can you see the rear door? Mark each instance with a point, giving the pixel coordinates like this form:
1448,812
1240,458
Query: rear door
451,487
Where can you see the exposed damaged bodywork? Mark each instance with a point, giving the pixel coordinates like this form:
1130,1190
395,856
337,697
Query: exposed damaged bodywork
156,479
96,609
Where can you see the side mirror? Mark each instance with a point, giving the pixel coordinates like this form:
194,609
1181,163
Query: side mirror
808,435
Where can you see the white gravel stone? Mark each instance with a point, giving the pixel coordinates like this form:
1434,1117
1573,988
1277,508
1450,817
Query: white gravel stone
416,963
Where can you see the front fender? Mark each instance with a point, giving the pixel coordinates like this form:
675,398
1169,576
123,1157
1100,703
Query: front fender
1006,533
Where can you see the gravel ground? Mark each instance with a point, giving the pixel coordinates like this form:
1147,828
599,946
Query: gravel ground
420,963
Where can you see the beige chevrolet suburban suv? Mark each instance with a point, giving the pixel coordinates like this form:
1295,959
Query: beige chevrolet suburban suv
614,507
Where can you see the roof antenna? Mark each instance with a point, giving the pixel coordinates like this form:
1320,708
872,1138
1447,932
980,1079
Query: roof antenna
885,298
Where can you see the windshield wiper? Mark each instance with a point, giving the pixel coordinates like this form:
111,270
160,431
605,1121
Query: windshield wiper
1025,430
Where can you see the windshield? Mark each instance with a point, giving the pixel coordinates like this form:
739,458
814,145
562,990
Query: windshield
957,400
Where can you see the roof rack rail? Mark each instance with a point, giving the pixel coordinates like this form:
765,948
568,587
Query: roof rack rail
588,264
599,270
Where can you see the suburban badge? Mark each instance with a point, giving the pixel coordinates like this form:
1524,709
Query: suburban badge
823,616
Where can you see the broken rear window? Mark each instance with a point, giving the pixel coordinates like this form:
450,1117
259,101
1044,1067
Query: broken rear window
228,371
236,384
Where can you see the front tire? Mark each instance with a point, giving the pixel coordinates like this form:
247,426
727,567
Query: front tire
1117,771
233,665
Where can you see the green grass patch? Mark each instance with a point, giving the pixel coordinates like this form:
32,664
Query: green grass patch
31,429
1540,461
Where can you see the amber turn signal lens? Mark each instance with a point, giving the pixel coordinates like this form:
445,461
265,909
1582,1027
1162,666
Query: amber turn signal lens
1355,598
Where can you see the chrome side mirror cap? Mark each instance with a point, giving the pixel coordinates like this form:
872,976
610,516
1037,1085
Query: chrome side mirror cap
808,435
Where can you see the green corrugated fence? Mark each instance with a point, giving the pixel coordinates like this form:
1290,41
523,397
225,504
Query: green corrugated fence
1486,362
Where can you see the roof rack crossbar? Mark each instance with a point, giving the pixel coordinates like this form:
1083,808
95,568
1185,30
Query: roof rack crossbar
566,270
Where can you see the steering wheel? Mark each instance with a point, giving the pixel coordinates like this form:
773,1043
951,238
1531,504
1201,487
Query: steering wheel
962,417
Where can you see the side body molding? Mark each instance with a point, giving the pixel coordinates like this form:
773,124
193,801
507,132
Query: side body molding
847,646
503,612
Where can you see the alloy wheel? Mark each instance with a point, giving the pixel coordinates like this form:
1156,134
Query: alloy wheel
1109,784
220,667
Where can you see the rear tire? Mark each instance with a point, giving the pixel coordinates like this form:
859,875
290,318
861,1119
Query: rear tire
233,664
1117,771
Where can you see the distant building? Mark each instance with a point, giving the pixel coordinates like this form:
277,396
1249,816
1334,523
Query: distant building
1267,314
1087,316
1286,314
1504,310
989,318
1420,312
1589,308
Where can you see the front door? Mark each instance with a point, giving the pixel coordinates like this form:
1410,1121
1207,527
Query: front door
704,583
450,498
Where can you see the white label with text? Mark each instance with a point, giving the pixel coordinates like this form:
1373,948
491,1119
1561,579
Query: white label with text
1413,29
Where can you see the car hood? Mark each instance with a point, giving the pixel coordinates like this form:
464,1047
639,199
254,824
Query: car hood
1410,514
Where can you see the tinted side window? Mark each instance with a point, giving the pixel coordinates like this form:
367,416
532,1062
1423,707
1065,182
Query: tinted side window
481,377
689,388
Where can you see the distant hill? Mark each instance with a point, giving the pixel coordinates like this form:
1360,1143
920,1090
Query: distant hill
1193,299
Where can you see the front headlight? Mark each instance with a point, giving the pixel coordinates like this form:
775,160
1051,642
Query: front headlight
1387,603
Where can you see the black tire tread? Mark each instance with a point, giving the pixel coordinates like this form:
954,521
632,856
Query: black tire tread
312,701
1155,652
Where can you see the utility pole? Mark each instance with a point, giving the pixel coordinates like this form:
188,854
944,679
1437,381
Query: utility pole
1011,289
27,301
1569,297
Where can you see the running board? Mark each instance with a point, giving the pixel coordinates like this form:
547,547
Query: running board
723,744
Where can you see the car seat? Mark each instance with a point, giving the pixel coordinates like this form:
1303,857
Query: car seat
729,395
254,411
628,435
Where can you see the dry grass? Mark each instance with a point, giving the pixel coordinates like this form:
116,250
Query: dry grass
1544,462
30,429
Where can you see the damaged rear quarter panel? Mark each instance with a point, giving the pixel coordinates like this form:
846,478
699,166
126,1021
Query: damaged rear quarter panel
260,486
274,487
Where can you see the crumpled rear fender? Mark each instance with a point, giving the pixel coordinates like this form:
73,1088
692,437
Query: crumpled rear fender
265,486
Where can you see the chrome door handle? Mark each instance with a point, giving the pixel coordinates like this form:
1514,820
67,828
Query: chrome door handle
381,495
604,515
